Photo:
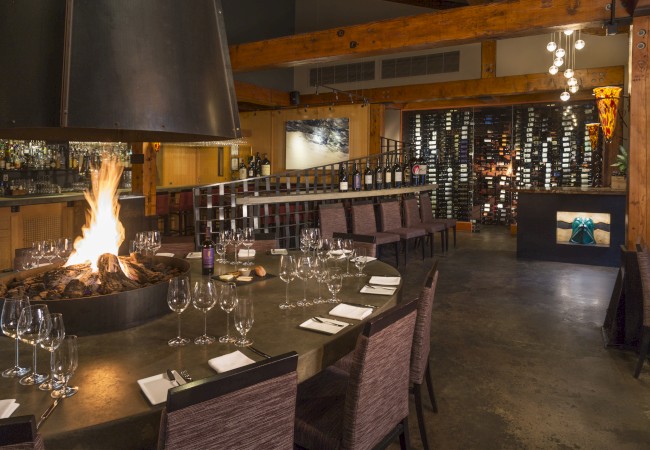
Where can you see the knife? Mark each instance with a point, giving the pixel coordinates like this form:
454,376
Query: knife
321,320
359,304
175,376
258,352
47,413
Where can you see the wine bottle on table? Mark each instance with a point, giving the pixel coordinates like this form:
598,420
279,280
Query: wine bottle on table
207,255
367,177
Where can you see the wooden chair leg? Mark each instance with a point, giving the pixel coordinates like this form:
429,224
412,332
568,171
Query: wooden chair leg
398,250
429,380
404,440
406,250
454,237
417,393
643,351
422,245
447,239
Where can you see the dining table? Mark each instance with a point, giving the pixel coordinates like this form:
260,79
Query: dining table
111,411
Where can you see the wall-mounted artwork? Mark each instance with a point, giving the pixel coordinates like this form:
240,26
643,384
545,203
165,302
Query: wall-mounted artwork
583,228
317,142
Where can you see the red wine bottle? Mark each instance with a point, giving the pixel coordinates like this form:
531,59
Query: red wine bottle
207,255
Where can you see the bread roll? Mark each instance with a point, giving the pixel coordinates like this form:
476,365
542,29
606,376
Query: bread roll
260,271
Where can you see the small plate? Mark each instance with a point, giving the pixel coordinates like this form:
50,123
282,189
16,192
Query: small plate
156,387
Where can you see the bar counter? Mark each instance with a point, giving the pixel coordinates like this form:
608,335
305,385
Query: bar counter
110,411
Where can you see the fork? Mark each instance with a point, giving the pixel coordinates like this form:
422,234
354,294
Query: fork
185,374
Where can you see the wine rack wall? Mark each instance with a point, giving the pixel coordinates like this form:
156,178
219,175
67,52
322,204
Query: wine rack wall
480,157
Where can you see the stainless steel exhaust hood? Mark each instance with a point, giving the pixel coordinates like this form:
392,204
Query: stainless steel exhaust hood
115,70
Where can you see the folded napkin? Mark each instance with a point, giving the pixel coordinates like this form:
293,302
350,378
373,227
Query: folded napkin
384,281
378,290
7,407
155,388
230,361
194,255
325,327
364,258
279,251
350,312
171,255
246,253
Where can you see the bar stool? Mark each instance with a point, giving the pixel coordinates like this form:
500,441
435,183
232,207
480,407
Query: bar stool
184,210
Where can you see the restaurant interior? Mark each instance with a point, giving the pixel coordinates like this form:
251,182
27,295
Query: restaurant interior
379,223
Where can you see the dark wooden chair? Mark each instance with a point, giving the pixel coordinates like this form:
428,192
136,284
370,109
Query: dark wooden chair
391,222
162,211
426,213
19,433
644,269
333,223
364,222
249,407
367,407
412,220
183,209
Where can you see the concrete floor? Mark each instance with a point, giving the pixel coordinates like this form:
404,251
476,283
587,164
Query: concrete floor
517,355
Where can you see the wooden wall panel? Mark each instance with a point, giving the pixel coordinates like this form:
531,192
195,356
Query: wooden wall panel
177,165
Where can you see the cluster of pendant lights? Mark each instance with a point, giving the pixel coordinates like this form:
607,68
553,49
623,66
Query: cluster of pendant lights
563,46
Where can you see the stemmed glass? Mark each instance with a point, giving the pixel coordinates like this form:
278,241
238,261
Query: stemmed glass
334,284
305,241
49,250
348,253
10,314
319,268
220,249
30,330
248,239
154,241
141,242
64,365
227,302
237,239
37,251
244,319
360,261
304,272
52,337
287,273
204,298
314,239
178,299
63,247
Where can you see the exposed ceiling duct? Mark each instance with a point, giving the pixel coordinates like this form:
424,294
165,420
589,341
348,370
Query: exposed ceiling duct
115,70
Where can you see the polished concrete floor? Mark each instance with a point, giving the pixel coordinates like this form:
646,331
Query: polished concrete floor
517,355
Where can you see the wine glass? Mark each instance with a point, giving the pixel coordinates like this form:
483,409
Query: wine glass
220,249
287,273
227,302
178,299
141,241
304,272
334,284
305,241
248,239
237,237
204,298
37,251
63,247
30,331
53,335
49,250
319,268
226,237
65,364
154,241
348,253
11,310
314,239
244,319
360,261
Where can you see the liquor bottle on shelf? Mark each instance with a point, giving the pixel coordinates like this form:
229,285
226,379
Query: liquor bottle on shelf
343,178
251,167
207,255
243,170
356,178
379,175
397,173
266,166
388,174
367,177
258,165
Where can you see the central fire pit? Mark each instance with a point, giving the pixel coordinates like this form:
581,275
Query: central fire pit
109,312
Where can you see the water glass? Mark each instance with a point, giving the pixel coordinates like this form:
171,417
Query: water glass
227,302
52,338
31,329
244,318
334,284
178,299
11,310
287,273
204,298
64,365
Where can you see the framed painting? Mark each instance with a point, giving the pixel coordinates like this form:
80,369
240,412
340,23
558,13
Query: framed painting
317,142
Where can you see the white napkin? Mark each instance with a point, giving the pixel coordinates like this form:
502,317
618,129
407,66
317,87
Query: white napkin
156,387
171,255
325,327
279,251
7,407
367,259
350,312
230,361
378,290
246,253
385,281
194,255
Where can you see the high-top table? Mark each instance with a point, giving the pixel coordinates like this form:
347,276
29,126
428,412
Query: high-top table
110,411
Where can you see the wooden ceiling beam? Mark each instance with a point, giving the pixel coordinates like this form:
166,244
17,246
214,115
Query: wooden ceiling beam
476,88
258,95
431,30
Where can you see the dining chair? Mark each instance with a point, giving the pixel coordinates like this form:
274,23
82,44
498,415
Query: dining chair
249,407
333,223
420,369
364,222
19,433
265,242
367,407
391,222
183,208
412,220
162,211
426,213
644,270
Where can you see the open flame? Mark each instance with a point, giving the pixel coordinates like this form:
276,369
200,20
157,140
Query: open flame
103,232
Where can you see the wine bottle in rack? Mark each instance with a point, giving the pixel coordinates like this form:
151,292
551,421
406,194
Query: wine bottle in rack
379,175
343,178
367,177
356,178
423,169
397,173
388,173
